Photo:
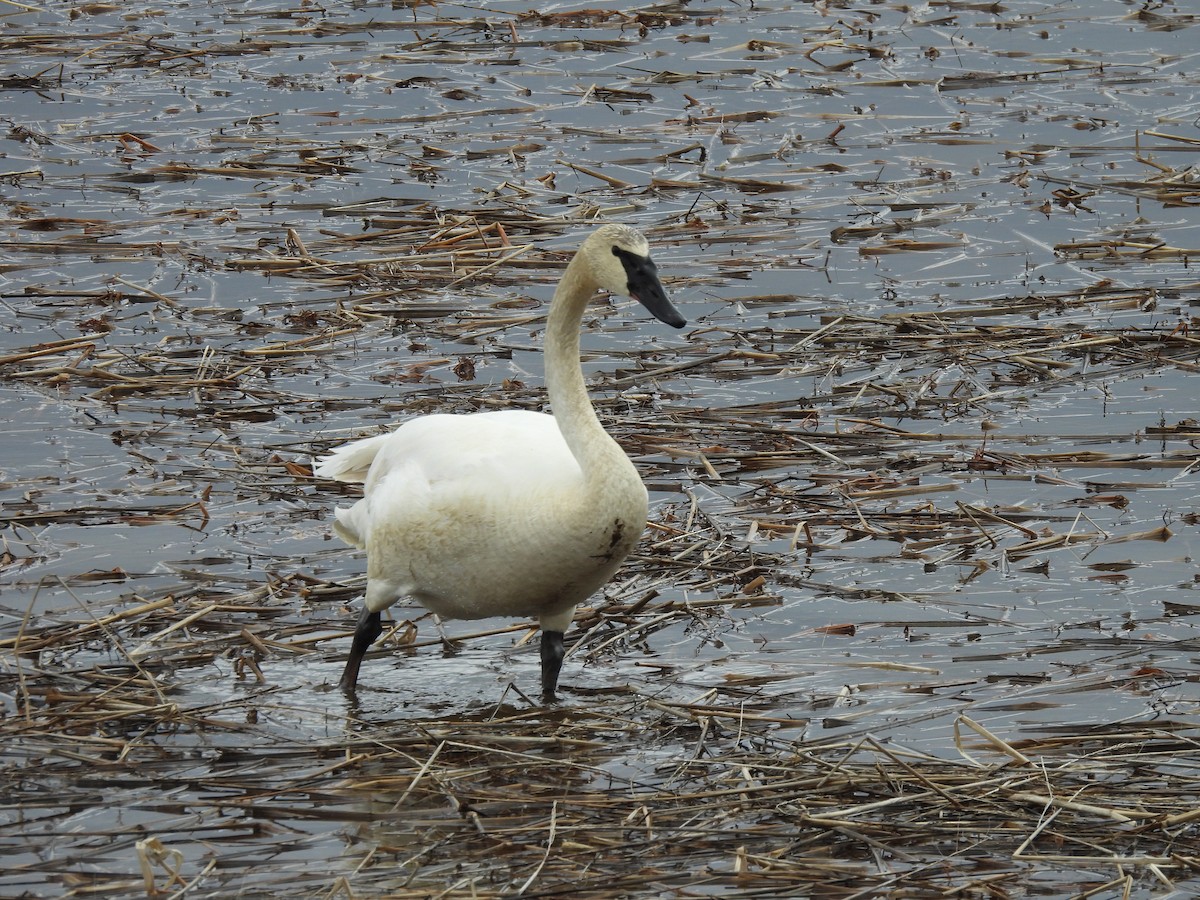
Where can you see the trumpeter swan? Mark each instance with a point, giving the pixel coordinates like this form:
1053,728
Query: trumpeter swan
509,513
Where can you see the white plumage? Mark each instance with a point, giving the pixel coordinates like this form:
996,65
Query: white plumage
508,513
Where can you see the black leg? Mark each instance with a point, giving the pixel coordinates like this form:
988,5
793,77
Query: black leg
369,628
552,659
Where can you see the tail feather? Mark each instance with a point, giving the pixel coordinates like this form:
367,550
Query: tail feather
345,527
350,462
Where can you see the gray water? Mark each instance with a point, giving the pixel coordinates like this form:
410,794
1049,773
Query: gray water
157,155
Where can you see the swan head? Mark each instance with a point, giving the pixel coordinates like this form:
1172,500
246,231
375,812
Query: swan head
619,257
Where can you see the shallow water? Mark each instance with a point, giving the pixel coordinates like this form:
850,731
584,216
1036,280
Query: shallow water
842,197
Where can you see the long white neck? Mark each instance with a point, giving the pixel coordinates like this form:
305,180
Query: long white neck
596,452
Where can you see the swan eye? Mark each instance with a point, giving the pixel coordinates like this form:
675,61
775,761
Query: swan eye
631,260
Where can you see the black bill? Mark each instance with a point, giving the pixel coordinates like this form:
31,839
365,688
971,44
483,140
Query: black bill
646,289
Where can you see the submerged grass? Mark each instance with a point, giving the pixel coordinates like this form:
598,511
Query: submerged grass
617,792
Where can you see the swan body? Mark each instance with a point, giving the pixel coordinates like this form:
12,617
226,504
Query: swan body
508,513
